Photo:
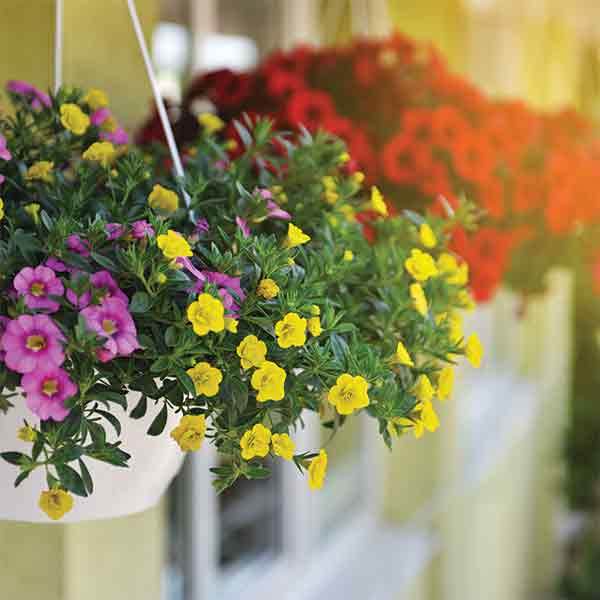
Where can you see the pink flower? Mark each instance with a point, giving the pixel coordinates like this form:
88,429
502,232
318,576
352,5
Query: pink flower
76,244
99,116
36,285
119,136
220,165
140,229
22,88
277,213
32,341
201,227
2,179
46,390
115,230
243,225
4,151
57,265
4,321
77,279
111,320
105,286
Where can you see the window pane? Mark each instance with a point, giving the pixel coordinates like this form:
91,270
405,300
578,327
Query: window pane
250,528
343,490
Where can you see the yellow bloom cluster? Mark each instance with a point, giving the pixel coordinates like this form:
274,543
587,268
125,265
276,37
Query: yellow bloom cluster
173,245
56,503
291,331
317,470
100,152
74,119
454,273
41,170
259,440
295,237
330,189
349,394
267,289
206,379
419,299
378,203
190,432
252,352
210,122
96,99
161,198
421,265
206,314
427,236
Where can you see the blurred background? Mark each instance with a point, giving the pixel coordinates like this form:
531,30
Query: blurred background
501,503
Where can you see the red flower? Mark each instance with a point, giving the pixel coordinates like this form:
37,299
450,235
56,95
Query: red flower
310,108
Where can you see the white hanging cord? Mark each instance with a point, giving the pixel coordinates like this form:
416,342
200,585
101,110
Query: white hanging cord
58,44
160,105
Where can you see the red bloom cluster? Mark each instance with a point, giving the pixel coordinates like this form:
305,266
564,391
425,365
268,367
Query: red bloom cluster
417,131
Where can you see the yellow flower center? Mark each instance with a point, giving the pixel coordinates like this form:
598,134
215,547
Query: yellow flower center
36,342
37,289
50,387
109,326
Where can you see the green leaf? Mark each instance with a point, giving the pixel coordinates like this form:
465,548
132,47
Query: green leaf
140,303
104,261
159,423
22,477
71,480
171,336
14,458
140,409
86,477
187,382
111,419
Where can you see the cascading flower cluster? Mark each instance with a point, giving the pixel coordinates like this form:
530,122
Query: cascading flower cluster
258,301
420,132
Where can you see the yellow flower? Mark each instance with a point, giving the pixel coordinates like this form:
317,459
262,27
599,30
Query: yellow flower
317,469
100,152
1,209
252,352
231,325
295,237
33,210
445,383
291,262
163,199
348,213
474,350
428,417
56,503
210,122
269,381
344,157
190,432
420,265
348,255
465,300
161,278
427,236
206,314
291,331
418,297
358,177
206,379
455,332
267,289
402,356
329,183
377,202
173,245
314,326
455,274
423,389
41,170
315,310
349,394
331,196
74,119
230,145
96,99
255,442
283,445
27,434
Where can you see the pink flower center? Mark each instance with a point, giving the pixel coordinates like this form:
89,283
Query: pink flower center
50,387
37,289
109,326
36,342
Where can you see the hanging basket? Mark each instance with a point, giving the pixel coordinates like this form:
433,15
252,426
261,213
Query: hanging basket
118,492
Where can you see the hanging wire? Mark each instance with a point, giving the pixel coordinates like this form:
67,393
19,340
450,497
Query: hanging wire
58,44
160,105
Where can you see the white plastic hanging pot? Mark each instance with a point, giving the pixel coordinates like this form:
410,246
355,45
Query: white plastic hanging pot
117,492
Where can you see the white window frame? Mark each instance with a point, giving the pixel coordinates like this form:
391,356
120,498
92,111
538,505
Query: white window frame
301,536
